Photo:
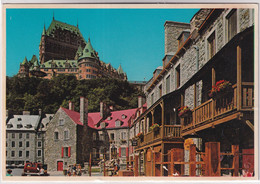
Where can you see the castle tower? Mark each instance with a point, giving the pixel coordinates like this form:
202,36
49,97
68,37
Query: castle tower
60,42
24,68
88,63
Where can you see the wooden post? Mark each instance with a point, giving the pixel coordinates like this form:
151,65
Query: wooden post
239,78
172,163
89,171
152,112
162,108
213,81
192,159
144,161
195,95
136,166
104,165
162,159
235,151
182,100
212,152
145,125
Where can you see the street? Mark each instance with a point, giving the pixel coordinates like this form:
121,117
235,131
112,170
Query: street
19,171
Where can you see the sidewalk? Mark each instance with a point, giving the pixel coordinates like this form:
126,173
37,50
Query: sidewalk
60,173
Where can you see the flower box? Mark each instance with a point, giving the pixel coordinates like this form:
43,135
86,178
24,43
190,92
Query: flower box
140,135
184,111
155,127
220,88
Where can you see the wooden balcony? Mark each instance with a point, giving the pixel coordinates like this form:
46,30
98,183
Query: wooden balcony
221,109
165,133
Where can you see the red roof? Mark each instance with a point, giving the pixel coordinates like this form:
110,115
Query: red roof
94,117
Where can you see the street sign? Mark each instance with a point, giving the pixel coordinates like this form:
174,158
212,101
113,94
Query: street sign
134,143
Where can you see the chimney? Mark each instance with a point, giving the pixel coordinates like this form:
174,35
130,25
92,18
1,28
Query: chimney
26,112
140,101
101,109
71,106
40,112
84,110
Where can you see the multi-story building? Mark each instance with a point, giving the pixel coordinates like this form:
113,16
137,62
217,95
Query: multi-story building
103,135
211,74
25,138
63,50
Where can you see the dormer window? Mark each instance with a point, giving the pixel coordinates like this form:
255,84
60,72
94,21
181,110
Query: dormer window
103,125
109,118
9,125
123,116
19,119
19,126
28,126
118,123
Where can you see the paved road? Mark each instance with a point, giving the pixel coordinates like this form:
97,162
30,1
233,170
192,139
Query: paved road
18,172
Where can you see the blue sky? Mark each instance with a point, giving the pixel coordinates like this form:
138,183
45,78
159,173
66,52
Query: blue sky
133,38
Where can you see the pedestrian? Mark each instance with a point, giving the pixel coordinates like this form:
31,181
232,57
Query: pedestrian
41,171
69,171
74,170
9,172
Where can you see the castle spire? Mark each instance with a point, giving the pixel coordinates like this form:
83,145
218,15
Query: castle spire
44,30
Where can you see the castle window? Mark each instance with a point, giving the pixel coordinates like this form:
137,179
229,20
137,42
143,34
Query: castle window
56,135
66,135
232,24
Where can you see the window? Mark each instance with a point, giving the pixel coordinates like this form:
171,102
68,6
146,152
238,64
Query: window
66,135
160,90
94,152
178,76
56,135
13,135
27,144
27,135
123,152
6,144
112,136
39,135
20,153
20,135
39,144
152,98
123,135
232,24
66,151
12,153
94,136
61,122
39,153
20,144
123,116
168,84
13,144
102,137
211,45
27,154
118,123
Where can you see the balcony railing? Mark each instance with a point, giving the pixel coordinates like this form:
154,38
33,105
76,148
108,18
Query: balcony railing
169,132
221,106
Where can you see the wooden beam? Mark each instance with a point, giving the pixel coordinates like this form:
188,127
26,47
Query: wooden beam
208,125
235,151
239,78
162,159
195,95
250,125
192,159
213,76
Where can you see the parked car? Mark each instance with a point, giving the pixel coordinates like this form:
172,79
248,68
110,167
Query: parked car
33,169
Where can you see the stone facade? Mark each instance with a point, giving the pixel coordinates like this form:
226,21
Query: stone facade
188,60
172,32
